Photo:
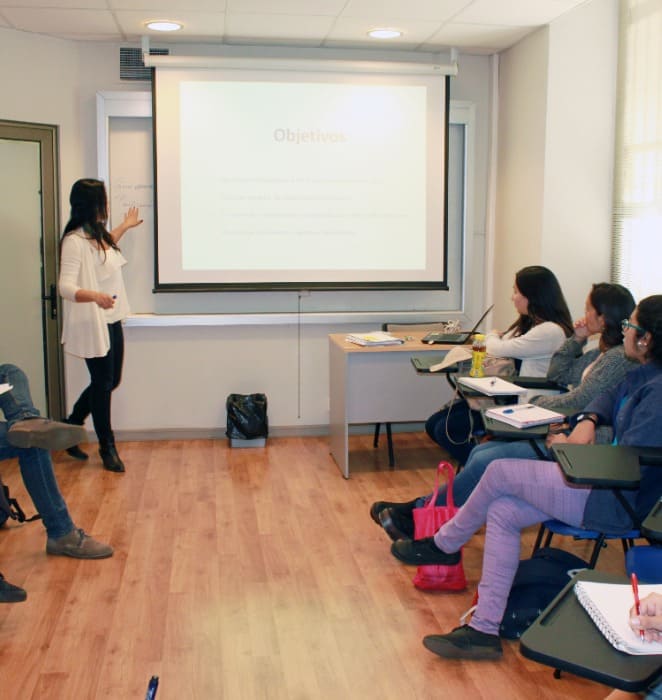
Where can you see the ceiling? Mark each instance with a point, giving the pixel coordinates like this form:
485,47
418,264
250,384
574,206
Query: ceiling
472,26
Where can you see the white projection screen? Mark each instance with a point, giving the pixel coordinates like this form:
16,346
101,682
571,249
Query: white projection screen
284,179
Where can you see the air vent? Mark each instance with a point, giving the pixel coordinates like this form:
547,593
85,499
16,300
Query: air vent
132,66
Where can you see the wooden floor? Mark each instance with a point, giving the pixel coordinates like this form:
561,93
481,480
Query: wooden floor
244,573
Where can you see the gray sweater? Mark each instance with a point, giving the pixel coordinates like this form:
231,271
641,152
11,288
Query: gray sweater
567,365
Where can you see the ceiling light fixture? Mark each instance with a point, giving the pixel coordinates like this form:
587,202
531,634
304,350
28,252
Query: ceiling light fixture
383,33
163,25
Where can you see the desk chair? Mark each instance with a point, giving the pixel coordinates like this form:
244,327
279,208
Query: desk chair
556,527
424,327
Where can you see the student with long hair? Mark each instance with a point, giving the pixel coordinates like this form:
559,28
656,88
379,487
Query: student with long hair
542,325
95,304
516,493
585,374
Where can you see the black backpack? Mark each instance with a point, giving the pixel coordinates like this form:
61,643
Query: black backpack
9,508
537,582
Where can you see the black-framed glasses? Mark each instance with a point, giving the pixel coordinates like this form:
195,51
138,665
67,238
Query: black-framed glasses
625,324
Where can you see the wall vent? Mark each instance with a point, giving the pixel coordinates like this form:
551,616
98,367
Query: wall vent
132,66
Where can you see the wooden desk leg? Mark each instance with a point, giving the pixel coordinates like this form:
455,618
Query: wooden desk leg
338,428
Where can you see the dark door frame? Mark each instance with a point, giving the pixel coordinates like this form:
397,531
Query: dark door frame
47,135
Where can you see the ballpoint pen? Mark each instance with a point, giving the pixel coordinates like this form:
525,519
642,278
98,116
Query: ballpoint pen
635,591
519,408
151,688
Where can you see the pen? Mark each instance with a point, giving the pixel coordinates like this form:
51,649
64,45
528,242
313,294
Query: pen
151,688
635,591
519,408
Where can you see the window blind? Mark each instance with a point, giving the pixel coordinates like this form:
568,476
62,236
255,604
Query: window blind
637,215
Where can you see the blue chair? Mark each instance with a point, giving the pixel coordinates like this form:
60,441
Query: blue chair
646,562
556,527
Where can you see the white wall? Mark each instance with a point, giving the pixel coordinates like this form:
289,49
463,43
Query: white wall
557,92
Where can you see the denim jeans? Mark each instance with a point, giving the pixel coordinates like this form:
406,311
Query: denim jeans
481,455
105,376
35,464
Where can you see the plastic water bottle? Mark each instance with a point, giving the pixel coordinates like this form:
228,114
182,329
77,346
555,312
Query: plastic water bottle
478,356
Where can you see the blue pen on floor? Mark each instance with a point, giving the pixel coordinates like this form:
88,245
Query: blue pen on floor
151,688
519,408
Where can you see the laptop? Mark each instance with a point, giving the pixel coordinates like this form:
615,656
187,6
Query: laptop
462,338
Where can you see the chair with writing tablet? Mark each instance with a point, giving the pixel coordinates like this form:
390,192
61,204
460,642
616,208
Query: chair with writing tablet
420,327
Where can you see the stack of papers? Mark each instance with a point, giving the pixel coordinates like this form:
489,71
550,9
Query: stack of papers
374,338
492,386
453,356
525,415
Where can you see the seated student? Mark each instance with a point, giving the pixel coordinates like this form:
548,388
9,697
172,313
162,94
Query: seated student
586,374
650,620
543,324
514,493
25,435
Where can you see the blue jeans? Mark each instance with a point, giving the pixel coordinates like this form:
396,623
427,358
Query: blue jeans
655,691
481,455
35,464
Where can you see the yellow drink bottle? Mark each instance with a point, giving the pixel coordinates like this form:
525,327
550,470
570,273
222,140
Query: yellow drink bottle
478,356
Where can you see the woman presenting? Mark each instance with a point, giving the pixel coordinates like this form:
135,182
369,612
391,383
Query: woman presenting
95,304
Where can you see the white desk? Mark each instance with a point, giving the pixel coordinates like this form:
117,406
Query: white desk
379,385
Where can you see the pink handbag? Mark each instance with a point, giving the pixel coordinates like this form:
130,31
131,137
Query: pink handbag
427,520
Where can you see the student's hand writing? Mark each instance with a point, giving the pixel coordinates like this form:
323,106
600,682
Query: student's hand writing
649,618
583,434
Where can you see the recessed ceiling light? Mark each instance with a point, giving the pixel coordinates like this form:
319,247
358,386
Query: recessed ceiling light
163,25
384,33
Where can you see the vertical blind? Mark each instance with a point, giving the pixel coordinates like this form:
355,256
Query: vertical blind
637,216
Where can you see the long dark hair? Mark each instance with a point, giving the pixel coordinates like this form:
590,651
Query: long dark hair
614,303
89,211
546,301
649,317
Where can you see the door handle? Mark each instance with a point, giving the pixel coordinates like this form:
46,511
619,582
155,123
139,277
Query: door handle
52,297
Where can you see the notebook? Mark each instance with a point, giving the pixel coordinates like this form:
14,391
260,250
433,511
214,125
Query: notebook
492,386
609,606
525,415
454,338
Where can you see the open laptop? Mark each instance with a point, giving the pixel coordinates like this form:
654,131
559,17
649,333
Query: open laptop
462,338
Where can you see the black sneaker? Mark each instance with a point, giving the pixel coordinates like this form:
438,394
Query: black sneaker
422,552
10,593
397,524
464,643
404,508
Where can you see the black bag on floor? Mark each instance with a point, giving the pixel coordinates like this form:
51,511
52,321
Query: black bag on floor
537,582
9,508
247,416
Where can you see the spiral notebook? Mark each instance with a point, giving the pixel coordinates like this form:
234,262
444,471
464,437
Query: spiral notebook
609,605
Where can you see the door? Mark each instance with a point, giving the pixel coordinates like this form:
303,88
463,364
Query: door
29,227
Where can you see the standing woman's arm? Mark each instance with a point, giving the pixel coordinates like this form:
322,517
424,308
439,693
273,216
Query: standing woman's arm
70,264
131,220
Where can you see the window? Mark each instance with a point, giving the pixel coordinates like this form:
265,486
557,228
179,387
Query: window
637,224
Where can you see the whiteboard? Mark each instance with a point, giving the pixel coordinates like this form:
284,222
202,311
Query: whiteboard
124,135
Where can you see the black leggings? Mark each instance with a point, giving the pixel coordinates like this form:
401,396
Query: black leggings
105,375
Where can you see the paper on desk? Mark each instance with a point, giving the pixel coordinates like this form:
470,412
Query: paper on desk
453,356
4,388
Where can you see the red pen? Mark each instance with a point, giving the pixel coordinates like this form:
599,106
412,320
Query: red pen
635,590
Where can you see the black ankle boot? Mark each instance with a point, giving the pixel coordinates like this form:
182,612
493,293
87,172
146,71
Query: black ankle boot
75,451
111,460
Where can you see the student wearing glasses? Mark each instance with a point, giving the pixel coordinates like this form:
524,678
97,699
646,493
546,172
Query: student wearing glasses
586,374
514,494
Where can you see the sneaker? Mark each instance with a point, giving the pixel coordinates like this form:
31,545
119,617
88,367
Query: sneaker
397,525
464,643
45,433
78,545
403,508
10,593
422,552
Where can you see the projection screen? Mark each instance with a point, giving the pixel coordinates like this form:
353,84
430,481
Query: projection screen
284,179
